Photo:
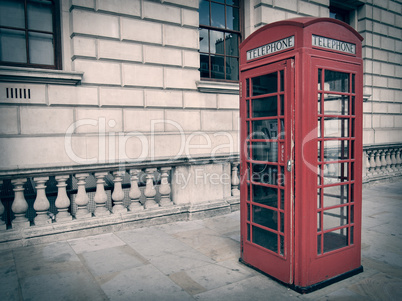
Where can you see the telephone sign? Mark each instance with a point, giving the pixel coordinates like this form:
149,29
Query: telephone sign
301,137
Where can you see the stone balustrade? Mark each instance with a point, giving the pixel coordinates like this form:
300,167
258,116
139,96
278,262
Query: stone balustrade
382,162
84,197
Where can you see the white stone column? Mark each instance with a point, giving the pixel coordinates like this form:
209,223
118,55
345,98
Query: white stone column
366,173
164,187
383,161
62,202
100,197
372,162
150,191
20,205
82,199
2,223
41,203
393,159
118,193
135,192
377,161
235,179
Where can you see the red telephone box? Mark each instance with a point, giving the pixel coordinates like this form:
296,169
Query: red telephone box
301,157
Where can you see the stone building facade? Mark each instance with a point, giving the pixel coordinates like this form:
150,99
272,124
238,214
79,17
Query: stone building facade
125,94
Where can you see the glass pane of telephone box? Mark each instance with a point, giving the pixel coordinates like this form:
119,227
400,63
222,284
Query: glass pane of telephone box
265,107
265,217
265,129
335,217
336,104
335,195
265,174
336,150
336,81
335,240
265,195
265,239
265,84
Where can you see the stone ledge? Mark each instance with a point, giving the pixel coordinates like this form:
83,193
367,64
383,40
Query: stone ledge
218,87
41,76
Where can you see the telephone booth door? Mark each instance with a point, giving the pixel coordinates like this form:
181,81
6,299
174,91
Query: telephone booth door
267,132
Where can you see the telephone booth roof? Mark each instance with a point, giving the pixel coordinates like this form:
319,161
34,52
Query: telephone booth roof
302,29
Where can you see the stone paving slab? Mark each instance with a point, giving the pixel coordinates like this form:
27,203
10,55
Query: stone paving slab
196,260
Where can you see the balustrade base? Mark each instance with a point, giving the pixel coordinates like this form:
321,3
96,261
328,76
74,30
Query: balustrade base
101,212
3,227
119,209
165,202
42,219
150,204
20,224
50,232
81,215
135,207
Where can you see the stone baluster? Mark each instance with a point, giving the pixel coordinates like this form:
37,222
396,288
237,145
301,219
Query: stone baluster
367,164
135,192
377,162
62,202
2,223
150,191
41,203
393,160
398,160
20,205
118,193
82,199
100,197
235,179
164,187
383,161
372,162
388,160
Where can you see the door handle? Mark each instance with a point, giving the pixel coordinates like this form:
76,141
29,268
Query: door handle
289,165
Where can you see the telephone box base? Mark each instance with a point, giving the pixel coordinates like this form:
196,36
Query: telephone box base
311,288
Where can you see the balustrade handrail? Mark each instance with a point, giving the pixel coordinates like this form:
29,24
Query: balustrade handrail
380,146
33,171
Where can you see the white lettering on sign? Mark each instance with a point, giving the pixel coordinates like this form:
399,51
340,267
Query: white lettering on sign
270,48
333,44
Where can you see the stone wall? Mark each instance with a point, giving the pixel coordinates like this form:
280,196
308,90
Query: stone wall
138,97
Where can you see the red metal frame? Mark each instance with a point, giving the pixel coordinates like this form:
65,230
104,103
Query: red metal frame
316,174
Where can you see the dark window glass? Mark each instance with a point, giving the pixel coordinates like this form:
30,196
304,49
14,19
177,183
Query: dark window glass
219,35
29,35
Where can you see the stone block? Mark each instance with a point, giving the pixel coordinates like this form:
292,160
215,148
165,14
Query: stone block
381,3
376,41
98,72
186,3
324,12
121,97
367,121
126,51
307,8
22,93
395,32
99,120
190,17
166,145
91,23
47,120
33,151
376,121
387,95
191,59
163,98
162,55
388,17
84,47
380,28
141,120
161,12
367,107
180,36
379,81
141,31
286,4
181,78
394,83
8,120
228,101
72,95
142,75
398,121
182,120
387,135
387,121
216,120
387,69
83,3
236,120
395,7
269,15
199,100
387,43
394,108
126,7
198,183
322,2
379,107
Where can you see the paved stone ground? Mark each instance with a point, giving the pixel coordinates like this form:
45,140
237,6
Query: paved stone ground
196,260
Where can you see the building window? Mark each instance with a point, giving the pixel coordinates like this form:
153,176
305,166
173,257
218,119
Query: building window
339,14
30,33
220,37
